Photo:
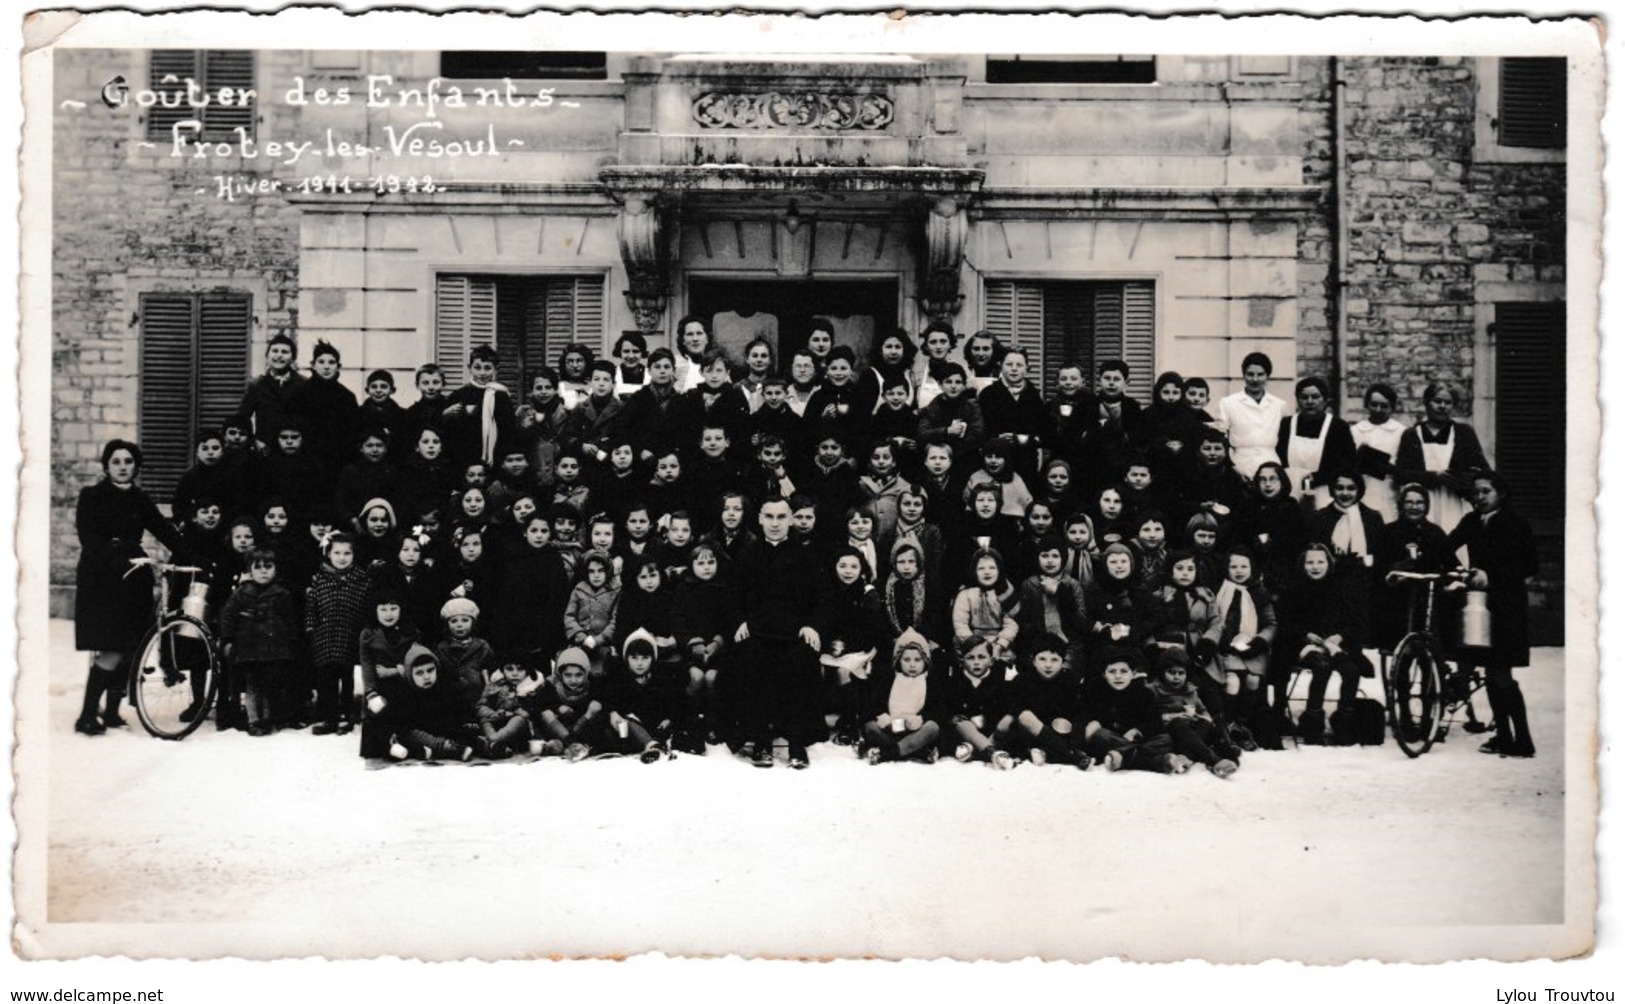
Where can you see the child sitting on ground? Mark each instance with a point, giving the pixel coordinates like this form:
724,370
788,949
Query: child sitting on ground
1121,721
424,719
1043,703
645,705
904,712
1186,720
566,712
975,706
503,717
463,658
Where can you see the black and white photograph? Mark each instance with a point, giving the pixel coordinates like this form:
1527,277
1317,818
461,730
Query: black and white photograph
929,485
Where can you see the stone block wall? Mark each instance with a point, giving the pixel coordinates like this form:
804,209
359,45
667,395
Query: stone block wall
1428,220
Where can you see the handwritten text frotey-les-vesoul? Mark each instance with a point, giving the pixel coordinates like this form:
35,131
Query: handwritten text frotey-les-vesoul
417,140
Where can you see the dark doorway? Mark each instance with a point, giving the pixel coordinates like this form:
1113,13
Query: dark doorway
742,309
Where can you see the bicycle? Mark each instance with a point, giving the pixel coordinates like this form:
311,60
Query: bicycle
1426,691
175,671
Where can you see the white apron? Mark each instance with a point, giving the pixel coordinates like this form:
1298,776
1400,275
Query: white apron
1445,507
1380,493
1303,459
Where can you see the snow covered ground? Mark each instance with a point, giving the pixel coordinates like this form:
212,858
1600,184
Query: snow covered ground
286,846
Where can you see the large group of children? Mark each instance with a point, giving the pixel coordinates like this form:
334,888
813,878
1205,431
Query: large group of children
916,556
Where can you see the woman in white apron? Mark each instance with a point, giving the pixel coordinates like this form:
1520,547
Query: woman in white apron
1376,444
804,382
1315,444
1439,454
693,338
575,367
1251,417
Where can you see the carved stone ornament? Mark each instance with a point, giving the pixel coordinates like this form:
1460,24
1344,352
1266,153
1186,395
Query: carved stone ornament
793,110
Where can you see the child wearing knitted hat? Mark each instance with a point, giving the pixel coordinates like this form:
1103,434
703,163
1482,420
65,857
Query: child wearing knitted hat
903,722
566,712
423,722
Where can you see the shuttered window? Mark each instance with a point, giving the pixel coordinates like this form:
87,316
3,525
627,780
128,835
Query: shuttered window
529,318
168,70
194,365
524,65
1530,398
1076,323
1533,109
1033,68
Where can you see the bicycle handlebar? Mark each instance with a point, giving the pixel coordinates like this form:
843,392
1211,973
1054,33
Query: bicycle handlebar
163,566
1459,574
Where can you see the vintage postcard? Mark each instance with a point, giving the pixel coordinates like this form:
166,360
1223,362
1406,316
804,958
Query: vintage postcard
604,442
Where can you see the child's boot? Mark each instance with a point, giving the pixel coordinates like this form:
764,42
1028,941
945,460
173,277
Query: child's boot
1518,717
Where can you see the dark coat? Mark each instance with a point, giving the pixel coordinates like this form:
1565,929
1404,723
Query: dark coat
331,418
223,482
529,610
111,612
266,402
1502,546
1048,699
259,622
1006,414
778,590
657,701
1119,711
965,699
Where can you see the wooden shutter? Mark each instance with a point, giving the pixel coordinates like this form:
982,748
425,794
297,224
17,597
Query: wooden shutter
1069,331
233,68
164,422
193,367
1076,323
212,69
1139,337
465,315
182,65
1533,109
1530,399
575,313
1013,312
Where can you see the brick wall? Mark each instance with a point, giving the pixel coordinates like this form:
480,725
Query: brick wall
124,217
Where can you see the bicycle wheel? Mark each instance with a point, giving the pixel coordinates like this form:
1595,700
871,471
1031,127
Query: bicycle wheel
1414,707
173,678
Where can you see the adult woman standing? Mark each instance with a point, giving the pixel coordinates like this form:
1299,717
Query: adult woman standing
1440,454
1314,444
1251,417
693,339
112,603
1501,552
1376,443
936,342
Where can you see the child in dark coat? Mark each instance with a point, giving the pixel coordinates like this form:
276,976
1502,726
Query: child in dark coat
589,615
424,719
259,631
1186,720
645,705
463,658
976,705
904,716
1044,707
1241,638
703,615
384,644
566,712
1121,720
1322,630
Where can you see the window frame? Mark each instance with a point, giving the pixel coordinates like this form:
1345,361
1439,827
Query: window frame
220,122
1487,147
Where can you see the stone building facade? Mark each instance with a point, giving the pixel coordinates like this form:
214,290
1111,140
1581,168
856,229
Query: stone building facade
1356,218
